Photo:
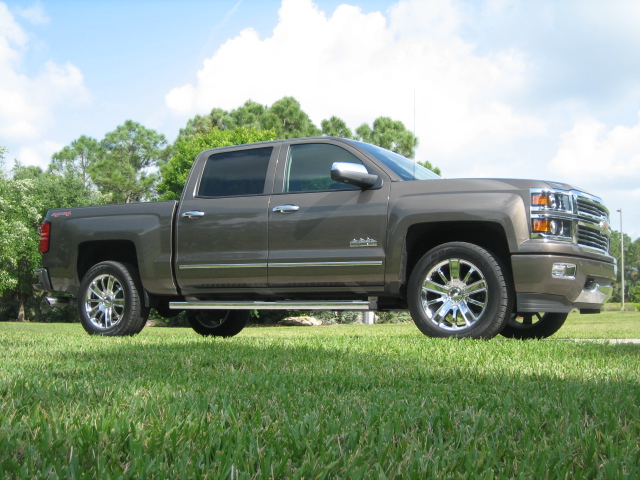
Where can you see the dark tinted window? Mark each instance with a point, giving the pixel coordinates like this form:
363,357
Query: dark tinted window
236,173
309,167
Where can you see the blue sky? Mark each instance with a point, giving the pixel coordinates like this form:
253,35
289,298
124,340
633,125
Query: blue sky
494,88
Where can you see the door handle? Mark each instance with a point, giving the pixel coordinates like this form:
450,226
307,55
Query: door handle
286,208
193,215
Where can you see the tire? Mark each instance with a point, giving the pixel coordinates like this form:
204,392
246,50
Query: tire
460,290
218,323
524,326
110,300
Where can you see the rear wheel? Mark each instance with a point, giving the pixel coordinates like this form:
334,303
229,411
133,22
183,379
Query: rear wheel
460,290
219,323
524,326
110,300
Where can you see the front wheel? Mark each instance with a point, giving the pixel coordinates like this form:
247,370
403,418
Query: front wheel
218,323
525,326
460,290
110,300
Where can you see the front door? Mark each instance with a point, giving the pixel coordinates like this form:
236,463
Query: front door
325,233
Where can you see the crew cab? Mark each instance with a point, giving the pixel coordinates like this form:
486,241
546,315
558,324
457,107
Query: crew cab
334,224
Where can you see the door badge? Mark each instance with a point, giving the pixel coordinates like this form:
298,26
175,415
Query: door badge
363,242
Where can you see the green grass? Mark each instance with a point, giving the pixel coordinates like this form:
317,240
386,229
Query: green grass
347,401
602,325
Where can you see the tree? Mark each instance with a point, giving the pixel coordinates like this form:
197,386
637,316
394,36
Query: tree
335,127
201,124
127,155
285,117
24,200
427,164
185,150
18,238
631,268
288,120
77,159
250,115
389,134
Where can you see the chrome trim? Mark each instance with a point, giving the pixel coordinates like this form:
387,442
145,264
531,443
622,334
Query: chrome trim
372,263
286,305
349,167
564,271
595,293
192,215
286,208
221,265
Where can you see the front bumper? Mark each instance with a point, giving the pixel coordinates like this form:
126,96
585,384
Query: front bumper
538,290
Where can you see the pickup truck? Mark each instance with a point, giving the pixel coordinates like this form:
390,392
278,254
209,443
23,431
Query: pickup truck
334,224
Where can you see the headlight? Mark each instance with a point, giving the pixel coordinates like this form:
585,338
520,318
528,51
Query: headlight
551,201
552,226
552,214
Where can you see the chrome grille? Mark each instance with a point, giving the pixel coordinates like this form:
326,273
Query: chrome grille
593,224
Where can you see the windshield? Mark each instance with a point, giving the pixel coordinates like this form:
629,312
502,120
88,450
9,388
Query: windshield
403,167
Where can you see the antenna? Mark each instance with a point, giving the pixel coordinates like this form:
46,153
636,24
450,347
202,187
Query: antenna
414,133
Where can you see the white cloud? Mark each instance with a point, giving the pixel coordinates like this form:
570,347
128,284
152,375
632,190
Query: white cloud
590,149
36,152
360,66
605,161
28,102
34,14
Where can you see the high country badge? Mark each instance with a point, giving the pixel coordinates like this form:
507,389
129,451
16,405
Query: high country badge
363,242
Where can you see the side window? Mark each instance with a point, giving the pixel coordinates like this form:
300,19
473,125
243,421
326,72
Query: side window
236,173
309,167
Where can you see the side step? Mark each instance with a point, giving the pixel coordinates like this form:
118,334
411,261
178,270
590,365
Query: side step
288,305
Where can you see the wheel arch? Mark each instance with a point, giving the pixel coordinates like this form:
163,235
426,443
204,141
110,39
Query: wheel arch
92,253
424,236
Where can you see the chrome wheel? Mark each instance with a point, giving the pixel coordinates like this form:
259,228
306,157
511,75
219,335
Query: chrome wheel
454,295
105,301
460,290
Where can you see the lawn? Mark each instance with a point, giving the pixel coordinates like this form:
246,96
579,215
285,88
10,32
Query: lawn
350,401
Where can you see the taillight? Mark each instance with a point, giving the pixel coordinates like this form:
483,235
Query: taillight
45,236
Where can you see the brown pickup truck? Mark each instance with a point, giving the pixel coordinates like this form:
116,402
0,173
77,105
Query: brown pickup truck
333,224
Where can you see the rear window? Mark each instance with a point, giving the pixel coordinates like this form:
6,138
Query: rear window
237,173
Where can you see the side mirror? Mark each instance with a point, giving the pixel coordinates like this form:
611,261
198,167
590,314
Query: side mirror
354,174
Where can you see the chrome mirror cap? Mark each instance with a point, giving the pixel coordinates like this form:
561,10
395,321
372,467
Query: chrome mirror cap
354,174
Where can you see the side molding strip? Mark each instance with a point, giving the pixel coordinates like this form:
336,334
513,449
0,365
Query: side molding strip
372,263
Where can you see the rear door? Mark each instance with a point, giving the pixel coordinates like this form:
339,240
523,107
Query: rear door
323,233
222,231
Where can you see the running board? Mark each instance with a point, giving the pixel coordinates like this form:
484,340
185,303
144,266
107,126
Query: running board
288,305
